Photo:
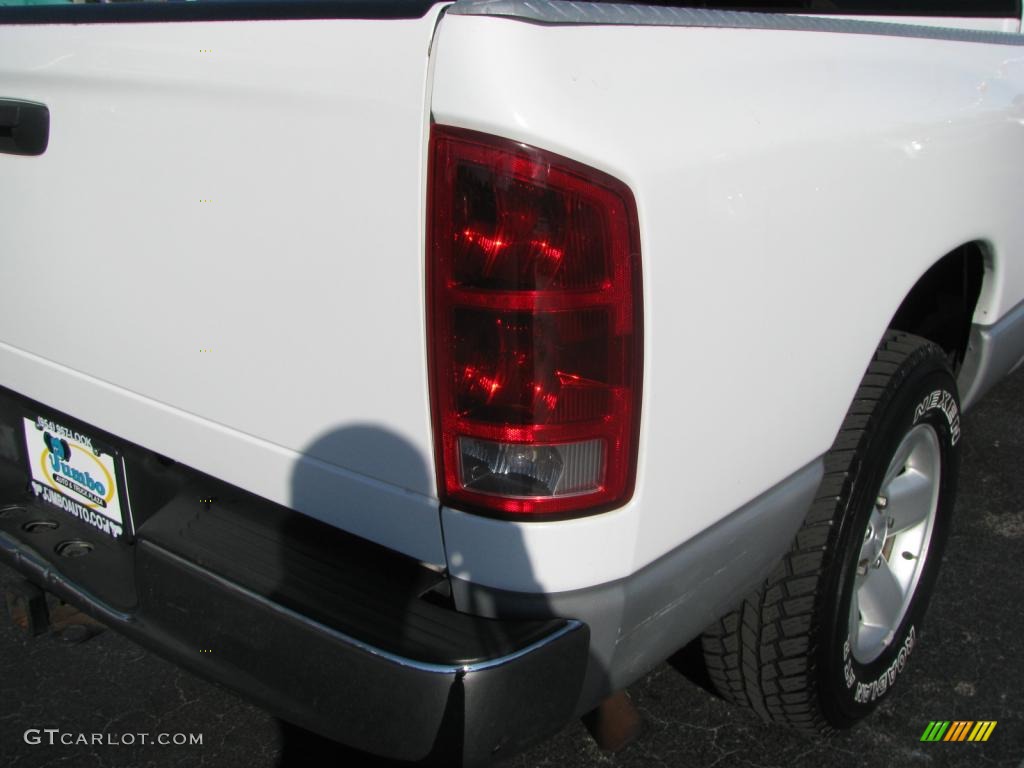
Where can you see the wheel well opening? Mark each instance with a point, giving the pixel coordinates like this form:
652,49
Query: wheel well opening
940,307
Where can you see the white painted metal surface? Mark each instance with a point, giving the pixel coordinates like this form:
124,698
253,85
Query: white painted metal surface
792,187
256,189
219,256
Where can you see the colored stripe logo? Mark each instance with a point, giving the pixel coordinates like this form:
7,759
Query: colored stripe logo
958,730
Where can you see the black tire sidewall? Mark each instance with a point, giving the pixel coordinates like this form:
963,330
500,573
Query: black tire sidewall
922,392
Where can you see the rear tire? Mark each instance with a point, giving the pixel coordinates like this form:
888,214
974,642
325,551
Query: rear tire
824,639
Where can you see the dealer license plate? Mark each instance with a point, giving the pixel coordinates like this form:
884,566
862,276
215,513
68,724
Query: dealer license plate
74,473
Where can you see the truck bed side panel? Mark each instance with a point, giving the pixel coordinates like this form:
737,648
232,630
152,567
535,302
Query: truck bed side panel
792,187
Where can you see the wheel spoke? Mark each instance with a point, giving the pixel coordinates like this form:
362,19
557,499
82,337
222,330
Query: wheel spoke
871,637
910,497
880,598
899,461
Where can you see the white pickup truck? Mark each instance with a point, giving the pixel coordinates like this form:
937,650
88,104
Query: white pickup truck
429,372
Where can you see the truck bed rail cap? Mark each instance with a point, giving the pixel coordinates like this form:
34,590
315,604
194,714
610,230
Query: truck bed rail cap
565,12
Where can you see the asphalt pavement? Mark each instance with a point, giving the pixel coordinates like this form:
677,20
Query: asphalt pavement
969,665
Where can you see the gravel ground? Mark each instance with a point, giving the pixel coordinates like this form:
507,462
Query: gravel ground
969,665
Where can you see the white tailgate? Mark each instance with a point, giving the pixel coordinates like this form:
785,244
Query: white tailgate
219,255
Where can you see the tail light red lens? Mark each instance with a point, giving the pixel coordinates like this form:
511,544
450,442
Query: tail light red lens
534,321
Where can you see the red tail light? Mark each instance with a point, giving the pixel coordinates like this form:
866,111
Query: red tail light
534,322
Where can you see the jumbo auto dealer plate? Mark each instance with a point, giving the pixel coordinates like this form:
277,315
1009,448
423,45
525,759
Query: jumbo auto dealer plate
71,472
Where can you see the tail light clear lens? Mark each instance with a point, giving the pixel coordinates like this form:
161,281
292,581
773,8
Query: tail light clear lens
534,320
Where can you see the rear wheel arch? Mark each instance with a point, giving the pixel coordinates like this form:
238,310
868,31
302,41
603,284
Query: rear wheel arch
944,302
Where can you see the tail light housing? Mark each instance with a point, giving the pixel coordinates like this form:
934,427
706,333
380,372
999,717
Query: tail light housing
534,325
